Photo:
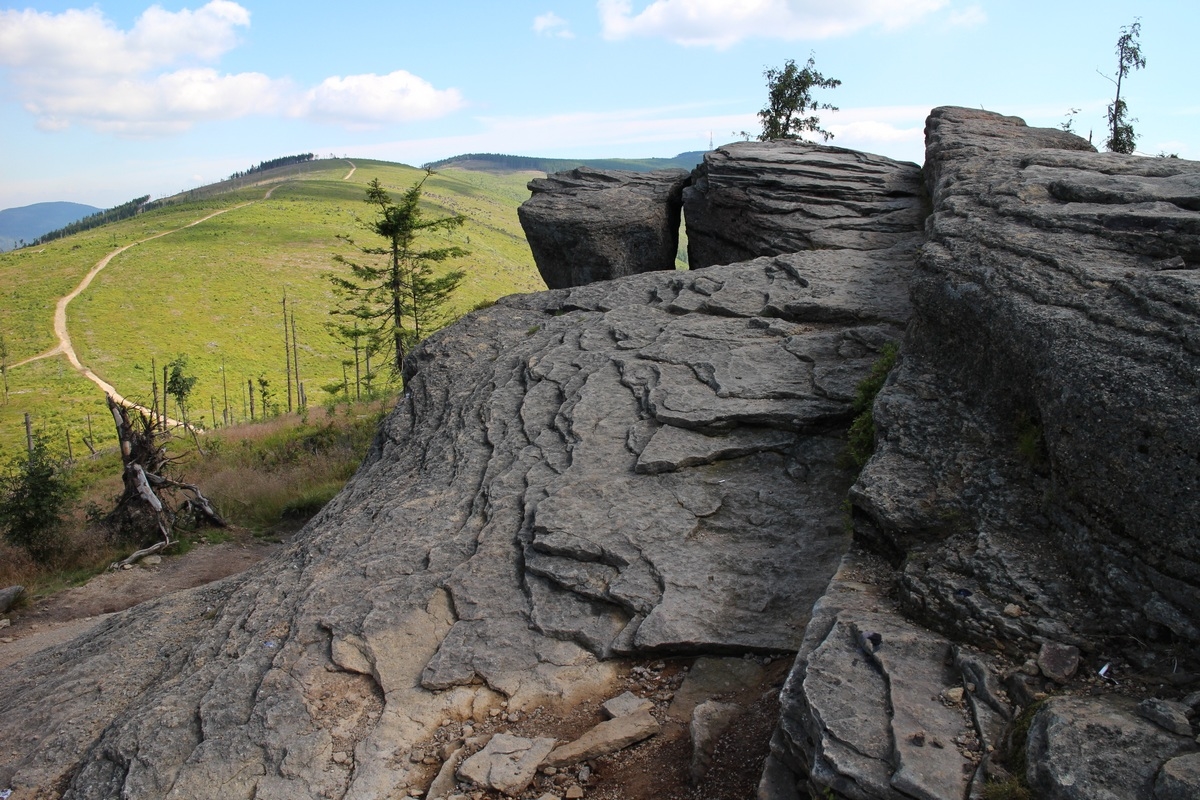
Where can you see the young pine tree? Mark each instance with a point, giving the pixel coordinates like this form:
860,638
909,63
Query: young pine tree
396,298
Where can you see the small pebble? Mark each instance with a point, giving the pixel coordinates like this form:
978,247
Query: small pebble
574,792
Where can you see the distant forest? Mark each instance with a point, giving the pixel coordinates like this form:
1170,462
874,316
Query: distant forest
263,166
123,211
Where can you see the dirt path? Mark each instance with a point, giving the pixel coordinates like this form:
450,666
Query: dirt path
60,312
353,167
72,612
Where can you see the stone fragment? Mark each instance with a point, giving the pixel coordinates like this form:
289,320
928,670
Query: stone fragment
4,623
507,764
1166,714
1179,779
1058,662
588,225
8,596
607,737
710,720
574,792
152,560
627,703
445,781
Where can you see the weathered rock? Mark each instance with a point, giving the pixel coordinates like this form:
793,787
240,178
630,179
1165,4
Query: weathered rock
626,703
709,722
607,737
1179,779
1166,715
1037,444
1097,748
8,596
710,677
861,712
1058,662
507,764
751,199
445,782
589,225
500,540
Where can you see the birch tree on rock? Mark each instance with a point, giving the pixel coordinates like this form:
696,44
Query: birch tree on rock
395,295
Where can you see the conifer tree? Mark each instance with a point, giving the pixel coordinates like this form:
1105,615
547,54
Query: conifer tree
397,299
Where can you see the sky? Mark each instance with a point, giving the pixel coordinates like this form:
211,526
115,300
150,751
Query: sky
105,102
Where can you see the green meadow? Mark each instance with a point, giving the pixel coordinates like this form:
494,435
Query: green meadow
213,291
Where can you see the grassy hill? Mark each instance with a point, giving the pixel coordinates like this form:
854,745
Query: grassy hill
495,162
213,291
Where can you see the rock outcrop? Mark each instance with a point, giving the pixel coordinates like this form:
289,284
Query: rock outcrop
749,200
1038,450
587,225
655,465
650,465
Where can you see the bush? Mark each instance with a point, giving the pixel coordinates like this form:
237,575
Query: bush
861,440
35,491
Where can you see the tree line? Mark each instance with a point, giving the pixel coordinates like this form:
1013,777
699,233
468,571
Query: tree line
263,166
115,214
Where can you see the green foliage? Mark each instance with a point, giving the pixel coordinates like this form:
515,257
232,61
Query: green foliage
180,383
861,438
789,98
1009,789
35,492
398,300
1121,138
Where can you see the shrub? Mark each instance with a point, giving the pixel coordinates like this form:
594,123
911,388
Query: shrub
35,491
861,439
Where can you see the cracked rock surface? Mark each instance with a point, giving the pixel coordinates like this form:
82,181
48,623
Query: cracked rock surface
649,465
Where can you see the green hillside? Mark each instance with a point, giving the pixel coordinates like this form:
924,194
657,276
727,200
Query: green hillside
213,290
495,162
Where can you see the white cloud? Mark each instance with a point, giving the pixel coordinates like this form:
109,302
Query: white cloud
722,23
158,77
368,100
551,24
969,17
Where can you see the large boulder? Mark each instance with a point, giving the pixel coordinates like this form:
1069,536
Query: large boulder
587,225
752,199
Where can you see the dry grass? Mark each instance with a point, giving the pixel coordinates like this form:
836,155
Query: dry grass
268,477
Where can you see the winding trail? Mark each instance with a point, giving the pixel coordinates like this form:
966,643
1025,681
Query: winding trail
64,346
353,167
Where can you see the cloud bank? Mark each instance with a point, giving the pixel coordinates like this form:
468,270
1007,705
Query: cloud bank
159,78
722,24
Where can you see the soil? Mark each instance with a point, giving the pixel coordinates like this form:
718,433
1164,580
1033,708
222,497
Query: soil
657,768
61,617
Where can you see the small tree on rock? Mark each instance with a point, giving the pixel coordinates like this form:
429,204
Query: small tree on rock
397,300
1121,138
789,99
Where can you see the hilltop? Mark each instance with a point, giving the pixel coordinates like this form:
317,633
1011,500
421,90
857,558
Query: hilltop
27,223
495,162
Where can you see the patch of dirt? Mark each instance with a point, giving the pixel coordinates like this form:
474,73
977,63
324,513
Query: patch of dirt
71,612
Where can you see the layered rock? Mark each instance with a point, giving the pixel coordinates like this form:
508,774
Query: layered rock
752,199
1037,454
650,465
588,225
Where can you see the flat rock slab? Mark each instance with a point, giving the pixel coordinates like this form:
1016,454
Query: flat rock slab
1098,748
507,764
626,703
607,737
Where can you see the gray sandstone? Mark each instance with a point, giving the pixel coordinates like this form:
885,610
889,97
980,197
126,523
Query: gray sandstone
606,737
1082,748
709,722
1166,714
507,764
626,703
1179,779
588,225
8,596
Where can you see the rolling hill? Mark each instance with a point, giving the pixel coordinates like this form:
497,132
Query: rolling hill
212,290
27,223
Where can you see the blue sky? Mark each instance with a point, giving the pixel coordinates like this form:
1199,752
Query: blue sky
105,102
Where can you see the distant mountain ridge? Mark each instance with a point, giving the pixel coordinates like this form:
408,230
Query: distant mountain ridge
27,223
496,162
